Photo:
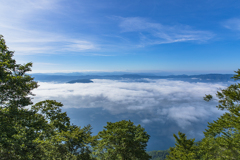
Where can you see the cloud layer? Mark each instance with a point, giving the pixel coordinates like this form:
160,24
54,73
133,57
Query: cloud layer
157,101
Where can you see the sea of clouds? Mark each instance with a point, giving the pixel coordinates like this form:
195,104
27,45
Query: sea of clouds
163,99
157,104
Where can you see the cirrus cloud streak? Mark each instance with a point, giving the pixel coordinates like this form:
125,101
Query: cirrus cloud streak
156,33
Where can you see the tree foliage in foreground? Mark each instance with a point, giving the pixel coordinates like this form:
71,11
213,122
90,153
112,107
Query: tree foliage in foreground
44,131
222,137
184,149
122,140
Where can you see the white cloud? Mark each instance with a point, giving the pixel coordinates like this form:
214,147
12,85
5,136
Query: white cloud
156,33
233,24
18,18
145,121
80,45
162,100
28,42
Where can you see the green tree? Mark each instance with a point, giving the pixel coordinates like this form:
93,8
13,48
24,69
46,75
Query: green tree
222,138
57,137
42,132
184,149
122,140
15,88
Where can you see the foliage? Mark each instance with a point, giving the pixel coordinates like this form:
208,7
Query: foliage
15,86
122,140
42,132
222,138
184,149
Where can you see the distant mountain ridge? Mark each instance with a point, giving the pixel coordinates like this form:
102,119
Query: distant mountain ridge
190,78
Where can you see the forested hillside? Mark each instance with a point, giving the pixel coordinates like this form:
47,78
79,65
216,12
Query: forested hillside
158,155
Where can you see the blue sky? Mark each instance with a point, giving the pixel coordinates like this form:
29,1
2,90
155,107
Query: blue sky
172,36
178,36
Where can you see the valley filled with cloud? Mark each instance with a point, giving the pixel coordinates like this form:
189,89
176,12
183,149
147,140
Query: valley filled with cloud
163,107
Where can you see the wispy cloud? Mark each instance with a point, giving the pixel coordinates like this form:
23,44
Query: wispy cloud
159,100
46,64
27,42
233,24
20,31
156,33
77,45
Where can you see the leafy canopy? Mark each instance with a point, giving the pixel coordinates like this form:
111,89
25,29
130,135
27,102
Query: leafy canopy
222,137
42,132
184,149
122,140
